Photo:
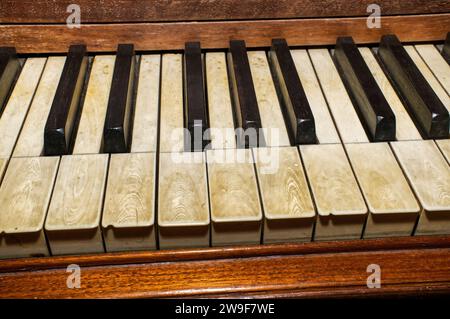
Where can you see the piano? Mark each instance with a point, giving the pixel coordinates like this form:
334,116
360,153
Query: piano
224,148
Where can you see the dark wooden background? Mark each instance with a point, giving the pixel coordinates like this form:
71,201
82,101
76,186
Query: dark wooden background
38,26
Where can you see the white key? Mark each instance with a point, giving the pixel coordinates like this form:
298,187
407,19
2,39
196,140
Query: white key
428,75
128,214
405,128
171,134
287,203
392,205
17,107
146,113
24,196
272,121
219,102
31,138
339,202
235,207
341,107
73,220
325,131
183,210
429,175
436,63
90,129
444,146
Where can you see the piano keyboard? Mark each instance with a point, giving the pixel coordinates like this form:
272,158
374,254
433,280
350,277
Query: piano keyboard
196,149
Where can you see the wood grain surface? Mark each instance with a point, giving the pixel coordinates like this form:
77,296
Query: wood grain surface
172,36
89,137
31,138
444,146
130,192
232,186
412,265
146,112
171,135
282,183
333,184
78,193
16,109
182,190
219,102
380,177
427,172
272,121
41,11
25,193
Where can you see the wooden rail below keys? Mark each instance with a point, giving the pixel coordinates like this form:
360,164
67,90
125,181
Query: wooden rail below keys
53,38
409,266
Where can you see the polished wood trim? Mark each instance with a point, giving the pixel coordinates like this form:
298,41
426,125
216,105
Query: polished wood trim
120,11
259,33
409,265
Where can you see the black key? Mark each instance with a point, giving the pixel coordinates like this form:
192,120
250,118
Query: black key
244,96
295,104
446,49
196,118
370,103
115,135
61,119
425,108
9,67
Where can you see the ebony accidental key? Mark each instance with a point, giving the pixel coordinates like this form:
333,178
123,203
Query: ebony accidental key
446,49
244,96
426,109
9,67
117,122
294,101
370,103
196,119
60,121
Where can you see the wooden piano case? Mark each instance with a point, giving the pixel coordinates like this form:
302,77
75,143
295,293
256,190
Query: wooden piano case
409,266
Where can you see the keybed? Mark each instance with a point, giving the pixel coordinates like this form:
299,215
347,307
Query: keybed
159,193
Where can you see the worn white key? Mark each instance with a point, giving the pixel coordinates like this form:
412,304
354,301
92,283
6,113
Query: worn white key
89,137
24,197
404,126
171,132
31,138
428,75
392,206
219,102
444,146
128,213
286,200
73,220
146,113
272,121
429,176
341,107
325,131
340,205
183,209
436,63
236,214
17,107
